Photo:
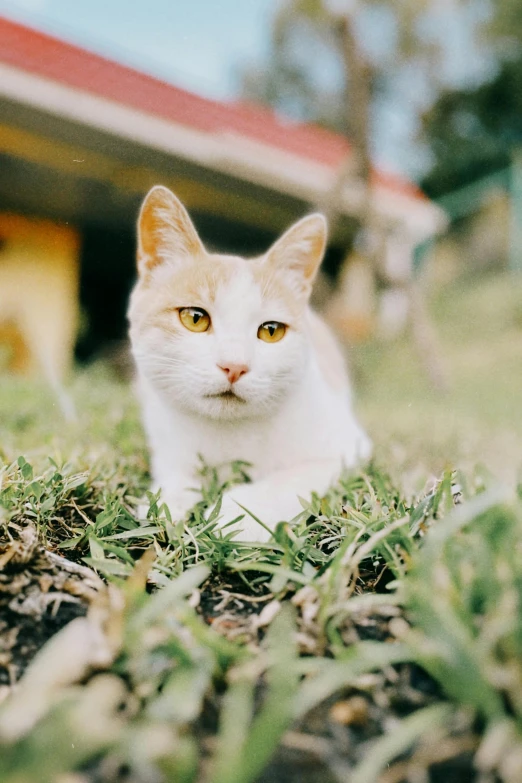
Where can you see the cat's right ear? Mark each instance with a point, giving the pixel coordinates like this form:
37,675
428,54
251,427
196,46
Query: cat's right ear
166,233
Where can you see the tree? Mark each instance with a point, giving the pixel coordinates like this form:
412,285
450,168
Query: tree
474,132
415,44
292,82
305,34
325,65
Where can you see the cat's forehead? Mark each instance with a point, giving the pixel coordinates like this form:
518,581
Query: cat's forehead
227,280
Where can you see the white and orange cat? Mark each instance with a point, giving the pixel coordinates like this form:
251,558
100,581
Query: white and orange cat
233,365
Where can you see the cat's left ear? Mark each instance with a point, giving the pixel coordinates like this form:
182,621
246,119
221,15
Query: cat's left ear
301,249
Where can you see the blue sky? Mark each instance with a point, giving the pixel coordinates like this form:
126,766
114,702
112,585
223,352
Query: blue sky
197,44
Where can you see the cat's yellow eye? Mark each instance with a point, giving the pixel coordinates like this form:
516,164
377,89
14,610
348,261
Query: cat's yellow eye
194,318
271,331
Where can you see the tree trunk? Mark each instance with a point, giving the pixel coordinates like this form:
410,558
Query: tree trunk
357,99
357,166
352,308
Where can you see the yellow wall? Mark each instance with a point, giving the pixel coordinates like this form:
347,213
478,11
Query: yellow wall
39,274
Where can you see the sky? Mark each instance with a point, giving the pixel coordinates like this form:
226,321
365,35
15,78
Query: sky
197,44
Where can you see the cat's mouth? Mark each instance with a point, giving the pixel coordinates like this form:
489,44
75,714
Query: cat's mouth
226,395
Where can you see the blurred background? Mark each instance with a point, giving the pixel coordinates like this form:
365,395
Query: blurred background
402,121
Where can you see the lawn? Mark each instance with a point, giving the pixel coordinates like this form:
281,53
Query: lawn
477,422
378,639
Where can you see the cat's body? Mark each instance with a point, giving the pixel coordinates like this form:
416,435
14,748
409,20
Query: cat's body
236,389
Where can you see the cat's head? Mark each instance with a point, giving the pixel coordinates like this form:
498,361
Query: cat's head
220,335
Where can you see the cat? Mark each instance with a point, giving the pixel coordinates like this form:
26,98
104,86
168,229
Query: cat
234,365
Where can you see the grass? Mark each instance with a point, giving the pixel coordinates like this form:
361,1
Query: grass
479,325
377,639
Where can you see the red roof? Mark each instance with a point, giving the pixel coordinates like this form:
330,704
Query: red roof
44,55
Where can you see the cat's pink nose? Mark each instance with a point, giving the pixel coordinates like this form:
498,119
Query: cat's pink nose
234,371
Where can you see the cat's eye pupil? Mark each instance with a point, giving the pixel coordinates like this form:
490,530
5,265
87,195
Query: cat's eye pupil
271,331
195,319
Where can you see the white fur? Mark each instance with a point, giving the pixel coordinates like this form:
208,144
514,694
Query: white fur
295,429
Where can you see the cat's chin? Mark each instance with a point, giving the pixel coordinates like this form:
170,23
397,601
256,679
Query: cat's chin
219,406
225,407
226,396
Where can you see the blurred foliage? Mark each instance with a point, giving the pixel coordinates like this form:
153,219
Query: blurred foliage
303,73
468,130
474,132
289,80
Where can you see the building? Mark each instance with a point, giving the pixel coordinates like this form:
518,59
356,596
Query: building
83,138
